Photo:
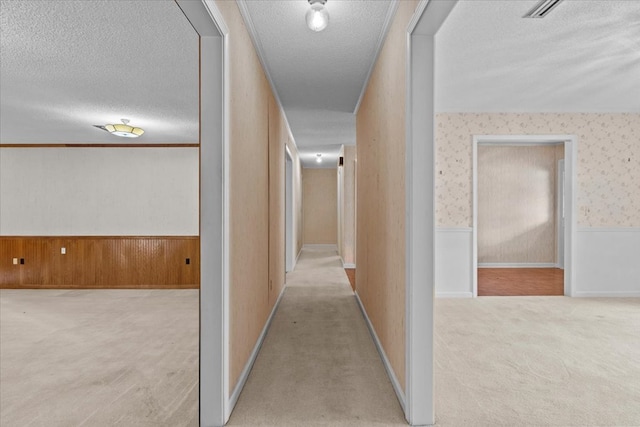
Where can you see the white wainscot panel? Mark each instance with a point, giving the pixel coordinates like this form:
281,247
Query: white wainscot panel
608,262
453,263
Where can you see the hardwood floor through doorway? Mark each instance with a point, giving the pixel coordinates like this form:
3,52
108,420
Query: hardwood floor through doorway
520,281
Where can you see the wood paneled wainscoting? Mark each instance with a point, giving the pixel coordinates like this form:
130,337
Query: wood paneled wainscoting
122,262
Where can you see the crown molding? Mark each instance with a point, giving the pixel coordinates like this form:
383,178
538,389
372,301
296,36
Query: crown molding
257,44
391,12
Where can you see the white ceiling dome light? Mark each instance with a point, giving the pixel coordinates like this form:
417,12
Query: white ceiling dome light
123,129
317,16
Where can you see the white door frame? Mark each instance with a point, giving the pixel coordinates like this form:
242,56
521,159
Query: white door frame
570,157
206,19
560,212
289,244
418,399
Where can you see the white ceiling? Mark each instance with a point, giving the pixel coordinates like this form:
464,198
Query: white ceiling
583,57
69,65
319,76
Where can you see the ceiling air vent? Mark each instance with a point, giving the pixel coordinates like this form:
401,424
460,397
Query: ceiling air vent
542,9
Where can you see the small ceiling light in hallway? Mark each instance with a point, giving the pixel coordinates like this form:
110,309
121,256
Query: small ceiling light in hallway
123,129
317,16
319,158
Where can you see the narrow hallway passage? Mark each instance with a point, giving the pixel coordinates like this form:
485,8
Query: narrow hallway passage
318,364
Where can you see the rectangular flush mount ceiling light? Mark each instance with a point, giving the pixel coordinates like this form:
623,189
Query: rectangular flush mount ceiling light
542,9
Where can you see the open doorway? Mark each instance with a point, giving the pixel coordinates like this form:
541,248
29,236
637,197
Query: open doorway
288,216
523,215
518,226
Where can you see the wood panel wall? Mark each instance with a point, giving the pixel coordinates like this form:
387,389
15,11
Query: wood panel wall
380,135
100,262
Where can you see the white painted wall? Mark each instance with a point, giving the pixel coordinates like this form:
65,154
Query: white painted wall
606,266
453,263
99,191
608,262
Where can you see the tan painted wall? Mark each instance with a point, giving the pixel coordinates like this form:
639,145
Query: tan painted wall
608,162
517,209
320,206
278,137
258,135
380,256
348,247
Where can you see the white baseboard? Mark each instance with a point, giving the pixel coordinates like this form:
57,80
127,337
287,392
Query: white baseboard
332,246
348,265
454,294
607,294
233,399
385,361
517,265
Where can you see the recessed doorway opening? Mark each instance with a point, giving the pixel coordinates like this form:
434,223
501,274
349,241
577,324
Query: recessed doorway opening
288,215
523,214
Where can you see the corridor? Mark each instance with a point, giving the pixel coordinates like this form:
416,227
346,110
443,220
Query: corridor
318,364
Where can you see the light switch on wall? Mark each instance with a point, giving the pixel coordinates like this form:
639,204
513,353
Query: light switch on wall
15,261
63,251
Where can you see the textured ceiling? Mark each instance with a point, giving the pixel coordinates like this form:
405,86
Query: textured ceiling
319,76
583,57
68,65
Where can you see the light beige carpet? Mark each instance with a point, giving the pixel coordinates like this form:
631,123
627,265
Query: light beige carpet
318,365
537,361
98,358
130,358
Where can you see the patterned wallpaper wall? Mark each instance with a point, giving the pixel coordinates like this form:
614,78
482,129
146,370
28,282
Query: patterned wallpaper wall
608,162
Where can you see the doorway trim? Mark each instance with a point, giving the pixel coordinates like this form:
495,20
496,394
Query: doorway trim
205,17
560,177
418,397
570,156
288,214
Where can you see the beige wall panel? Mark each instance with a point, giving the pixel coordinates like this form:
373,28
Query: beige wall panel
608,163
380,256
349,208
249,193
320,206
517,204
